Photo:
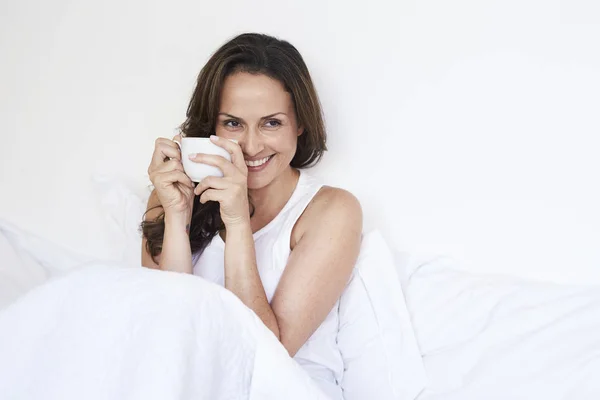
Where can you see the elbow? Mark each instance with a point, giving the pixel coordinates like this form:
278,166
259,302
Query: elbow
289,344
292,350
284,339
148,261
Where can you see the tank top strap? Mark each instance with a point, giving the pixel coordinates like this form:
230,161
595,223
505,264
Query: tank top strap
308,187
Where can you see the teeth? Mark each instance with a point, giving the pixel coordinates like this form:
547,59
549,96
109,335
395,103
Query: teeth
257,163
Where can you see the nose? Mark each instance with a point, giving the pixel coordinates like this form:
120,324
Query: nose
251,143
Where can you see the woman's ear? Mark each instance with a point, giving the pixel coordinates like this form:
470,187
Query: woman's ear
300,130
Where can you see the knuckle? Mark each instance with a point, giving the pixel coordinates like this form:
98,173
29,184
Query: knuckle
155,180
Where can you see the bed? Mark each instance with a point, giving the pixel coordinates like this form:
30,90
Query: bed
479,336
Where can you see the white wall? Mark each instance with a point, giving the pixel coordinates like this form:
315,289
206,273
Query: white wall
466,128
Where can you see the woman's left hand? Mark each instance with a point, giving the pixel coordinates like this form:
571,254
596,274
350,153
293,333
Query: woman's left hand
231,190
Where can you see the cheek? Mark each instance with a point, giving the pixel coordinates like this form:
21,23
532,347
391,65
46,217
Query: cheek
285,144
224,133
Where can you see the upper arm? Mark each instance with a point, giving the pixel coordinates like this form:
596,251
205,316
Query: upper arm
153,211
319,266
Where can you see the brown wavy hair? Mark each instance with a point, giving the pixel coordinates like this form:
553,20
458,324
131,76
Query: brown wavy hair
256,54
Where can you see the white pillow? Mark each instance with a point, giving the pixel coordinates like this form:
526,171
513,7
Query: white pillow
28,261
376,339
18,271
123,209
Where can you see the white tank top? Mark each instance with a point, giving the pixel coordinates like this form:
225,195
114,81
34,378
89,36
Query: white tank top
319,356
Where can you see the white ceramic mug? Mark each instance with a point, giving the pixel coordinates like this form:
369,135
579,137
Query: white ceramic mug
197,171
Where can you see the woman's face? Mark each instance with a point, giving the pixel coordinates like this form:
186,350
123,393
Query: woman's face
257,112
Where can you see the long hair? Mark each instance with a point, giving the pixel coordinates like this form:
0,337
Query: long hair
256,54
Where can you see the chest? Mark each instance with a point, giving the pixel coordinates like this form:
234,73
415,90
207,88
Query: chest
272,254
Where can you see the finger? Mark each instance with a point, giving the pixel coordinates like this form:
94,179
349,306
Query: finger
163,149
174,176
177,140
211,182
237,157
220,162
167,142
171,165
210,195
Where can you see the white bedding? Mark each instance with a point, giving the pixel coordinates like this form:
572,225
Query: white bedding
105,332
102,331
492,337
481,337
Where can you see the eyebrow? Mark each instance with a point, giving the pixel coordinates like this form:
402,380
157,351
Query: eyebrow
265,117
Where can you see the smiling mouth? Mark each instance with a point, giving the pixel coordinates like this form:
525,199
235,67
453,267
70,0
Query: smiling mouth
258,163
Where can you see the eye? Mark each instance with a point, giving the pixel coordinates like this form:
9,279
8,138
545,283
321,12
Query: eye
273,123
231,123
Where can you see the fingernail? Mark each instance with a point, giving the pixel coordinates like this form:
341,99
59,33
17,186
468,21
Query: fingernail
191,156
214,138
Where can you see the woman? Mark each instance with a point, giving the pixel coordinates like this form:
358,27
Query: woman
267,231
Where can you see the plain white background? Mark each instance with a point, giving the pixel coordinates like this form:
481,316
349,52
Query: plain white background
466,128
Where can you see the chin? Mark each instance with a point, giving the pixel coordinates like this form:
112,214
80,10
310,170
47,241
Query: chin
257,183
259,180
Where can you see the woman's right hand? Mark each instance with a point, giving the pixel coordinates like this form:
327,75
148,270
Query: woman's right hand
174,188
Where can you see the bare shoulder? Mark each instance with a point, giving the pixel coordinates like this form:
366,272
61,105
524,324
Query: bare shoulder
330,208
335,201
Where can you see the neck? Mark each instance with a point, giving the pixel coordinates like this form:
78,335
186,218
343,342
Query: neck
270,200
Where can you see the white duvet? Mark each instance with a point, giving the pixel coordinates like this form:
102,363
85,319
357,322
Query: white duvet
109,332
492,337
104,331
